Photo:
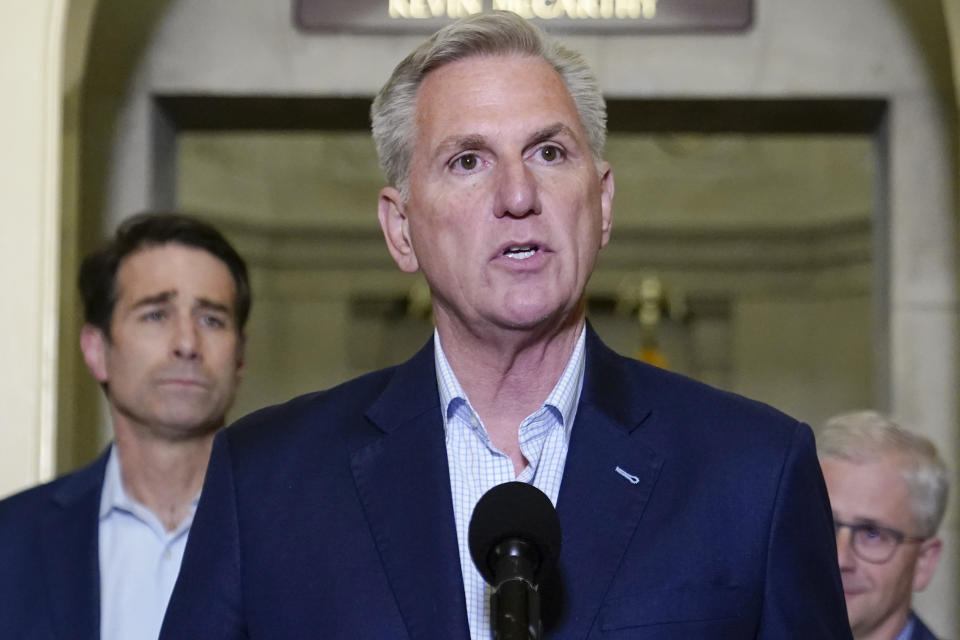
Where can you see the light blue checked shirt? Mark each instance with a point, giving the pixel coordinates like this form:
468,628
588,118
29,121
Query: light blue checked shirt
476,465
907,630
139,561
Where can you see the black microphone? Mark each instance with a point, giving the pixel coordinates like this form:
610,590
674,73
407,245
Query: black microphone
515,541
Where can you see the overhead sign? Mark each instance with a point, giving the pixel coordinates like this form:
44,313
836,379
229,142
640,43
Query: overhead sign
570,16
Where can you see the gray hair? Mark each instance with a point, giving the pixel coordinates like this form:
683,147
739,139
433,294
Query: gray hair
491,33
866,436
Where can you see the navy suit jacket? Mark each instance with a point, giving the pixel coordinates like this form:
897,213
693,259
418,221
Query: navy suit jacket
331,517
920,630
49,560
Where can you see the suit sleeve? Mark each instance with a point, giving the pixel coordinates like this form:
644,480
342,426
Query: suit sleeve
207,601
803,596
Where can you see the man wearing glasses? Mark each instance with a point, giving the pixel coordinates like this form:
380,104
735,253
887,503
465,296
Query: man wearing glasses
888,490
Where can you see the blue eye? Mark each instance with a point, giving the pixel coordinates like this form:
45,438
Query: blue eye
213,321
872,535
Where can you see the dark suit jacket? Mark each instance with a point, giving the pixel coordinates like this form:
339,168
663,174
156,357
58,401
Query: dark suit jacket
331,517
49,561
920,631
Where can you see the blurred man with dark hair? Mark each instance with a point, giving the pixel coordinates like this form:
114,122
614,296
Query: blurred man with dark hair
888,489
95,554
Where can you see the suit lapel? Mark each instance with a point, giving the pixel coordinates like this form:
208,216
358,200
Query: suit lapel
70,561
920,630
404,485
599,506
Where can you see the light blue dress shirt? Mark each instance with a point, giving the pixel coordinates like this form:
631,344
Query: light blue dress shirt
907,630
476,465
139,561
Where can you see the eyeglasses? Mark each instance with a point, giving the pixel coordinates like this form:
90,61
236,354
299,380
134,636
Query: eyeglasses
873,542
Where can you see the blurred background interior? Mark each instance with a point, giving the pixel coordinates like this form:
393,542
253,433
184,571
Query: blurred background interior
784,220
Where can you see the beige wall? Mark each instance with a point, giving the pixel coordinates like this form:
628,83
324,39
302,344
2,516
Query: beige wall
747,221
32,35
951,10
39,188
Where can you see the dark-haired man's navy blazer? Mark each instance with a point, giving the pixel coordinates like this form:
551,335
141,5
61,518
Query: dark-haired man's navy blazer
331,517
920,630
49,562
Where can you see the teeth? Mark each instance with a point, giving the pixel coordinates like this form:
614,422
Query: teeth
520,253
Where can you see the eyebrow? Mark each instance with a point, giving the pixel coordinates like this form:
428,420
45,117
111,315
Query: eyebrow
462,143
476,141
159,298
207,304
166,296
871,522
864,521
549,132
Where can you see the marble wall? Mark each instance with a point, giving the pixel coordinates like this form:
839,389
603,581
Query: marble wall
775,228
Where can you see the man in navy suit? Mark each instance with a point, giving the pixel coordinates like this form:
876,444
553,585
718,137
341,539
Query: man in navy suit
686,512
888,488
95,554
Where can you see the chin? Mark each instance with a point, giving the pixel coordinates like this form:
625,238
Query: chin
855,617
529,320
529,312
192,423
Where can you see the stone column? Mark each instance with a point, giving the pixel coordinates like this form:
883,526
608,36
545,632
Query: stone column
31,43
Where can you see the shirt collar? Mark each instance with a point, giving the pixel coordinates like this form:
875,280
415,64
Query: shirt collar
114,497
563,399
907,632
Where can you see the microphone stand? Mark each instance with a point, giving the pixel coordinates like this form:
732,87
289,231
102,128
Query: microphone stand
515,602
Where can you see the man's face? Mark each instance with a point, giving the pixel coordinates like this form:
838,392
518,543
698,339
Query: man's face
877,595
507,209
173,360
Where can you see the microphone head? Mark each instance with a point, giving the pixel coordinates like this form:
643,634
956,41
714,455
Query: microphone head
519,511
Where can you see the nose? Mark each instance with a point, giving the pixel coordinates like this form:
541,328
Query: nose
518,190
845,556
186,339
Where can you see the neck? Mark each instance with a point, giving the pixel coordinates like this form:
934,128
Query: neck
507,376
163,476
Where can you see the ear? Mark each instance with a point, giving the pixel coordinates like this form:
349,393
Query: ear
927,561
396,229
94,346
241,353
606,202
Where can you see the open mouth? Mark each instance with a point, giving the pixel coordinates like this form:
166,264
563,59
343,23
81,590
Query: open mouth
521,252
